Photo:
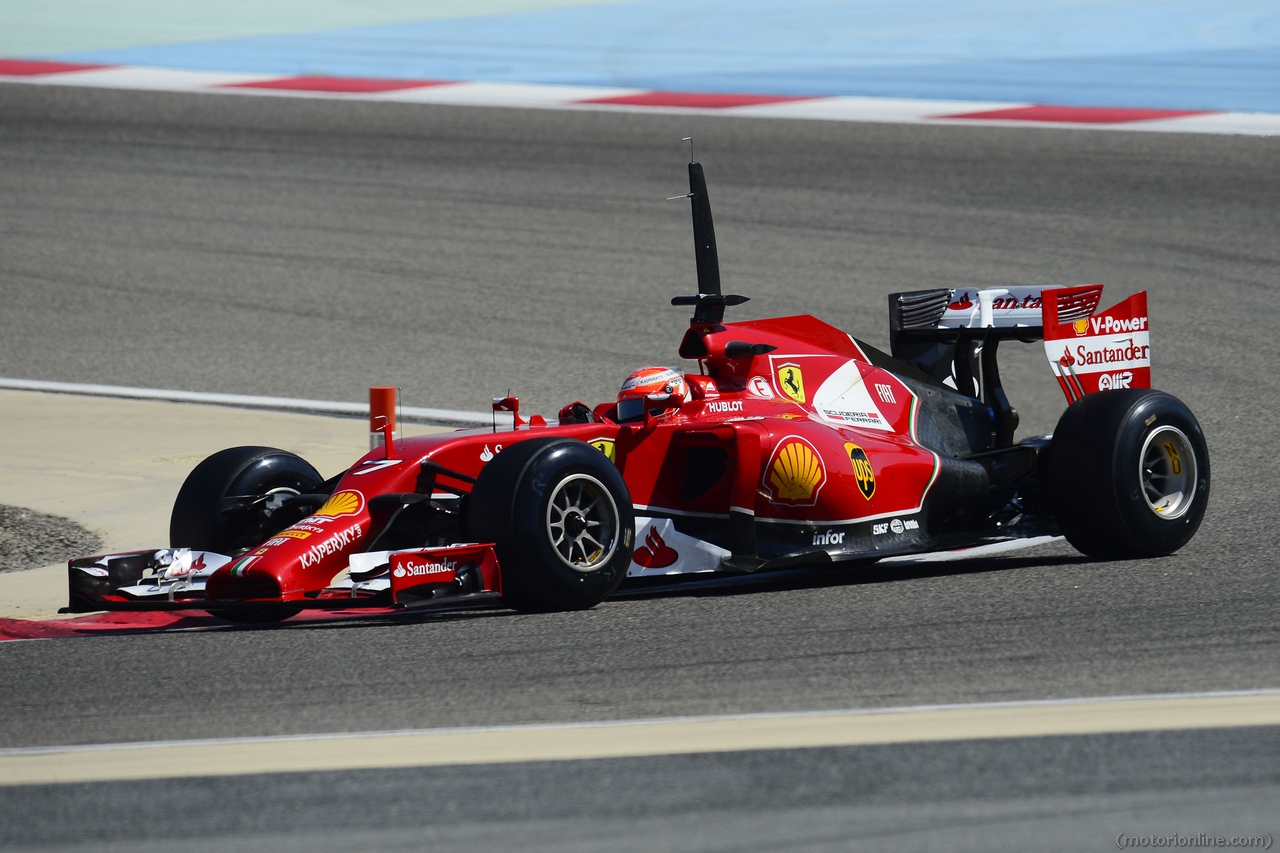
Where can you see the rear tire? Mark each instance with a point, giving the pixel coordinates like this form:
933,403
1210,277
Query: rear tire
198,521
562,522
1128,474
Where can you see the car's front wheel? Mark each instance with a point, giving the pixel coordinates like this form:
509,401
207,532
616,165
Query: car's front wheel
225,504
1129,474
561,519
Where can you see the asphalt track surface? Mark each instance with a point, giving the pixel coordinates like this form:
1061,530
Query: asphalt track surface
311,249
1051,794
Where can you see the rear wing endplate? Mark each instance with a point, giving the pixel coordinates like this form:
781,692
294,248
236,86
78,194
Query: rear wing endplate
951,335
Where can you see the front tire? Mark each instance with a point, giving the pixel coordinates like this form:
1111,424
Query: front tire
199,521
561,519
1129,474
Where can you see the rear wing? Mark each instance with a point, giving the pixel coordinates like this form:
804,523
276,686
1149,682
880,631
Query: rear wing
951,335
1097,352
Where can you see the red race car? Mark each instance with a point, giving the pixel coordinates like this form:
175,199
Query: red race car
792,445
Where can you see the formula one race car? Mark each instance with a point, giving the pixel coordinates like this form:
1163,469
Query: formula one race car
793,445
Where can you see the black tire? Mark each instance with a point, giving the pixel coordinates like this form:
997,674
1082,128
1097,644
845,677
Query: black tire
1128,474
525,501
198,521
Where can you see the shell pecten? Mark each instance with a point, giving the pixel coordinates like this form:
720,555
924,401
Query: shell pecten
342,503
796,473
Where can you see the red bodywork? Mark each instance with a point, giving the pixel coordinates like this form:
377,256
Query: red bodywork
786,461
796,445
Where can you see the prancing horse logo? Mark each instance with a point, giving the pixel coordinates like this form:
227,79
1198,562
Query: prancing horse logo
791,381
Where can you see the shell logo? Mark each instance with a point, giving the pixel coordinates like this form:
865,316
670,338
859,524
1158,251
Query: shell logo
795,474
343,503
1081,326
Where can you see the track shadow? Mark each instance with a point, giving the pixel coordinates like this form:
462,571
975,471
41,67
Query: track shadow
836,575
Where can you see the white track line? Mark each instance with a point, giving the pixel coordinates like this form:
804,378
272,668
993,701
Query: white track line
634,738
284,404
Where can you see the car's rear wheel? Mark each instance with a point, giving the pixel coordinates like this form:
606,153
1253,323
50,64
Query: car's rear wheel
561,519
1129,474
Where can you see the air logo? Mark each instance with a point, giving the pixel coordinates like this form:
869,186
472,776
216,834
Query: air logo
862,469
1107,381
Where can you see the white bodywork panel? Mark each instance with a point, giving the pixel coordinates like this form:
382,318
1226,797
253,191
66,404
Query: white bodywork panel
844,399
663,550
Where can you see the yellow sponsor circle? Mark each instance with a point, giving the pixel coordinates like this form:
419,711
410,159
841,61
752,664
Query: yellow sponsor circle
862,469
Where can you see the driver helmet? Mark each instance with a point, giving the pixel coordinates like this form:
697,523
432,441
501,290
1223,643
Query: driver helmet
660,390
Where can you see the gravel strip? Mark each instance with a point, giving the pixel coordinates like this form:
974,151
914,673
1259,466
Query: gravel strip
30,539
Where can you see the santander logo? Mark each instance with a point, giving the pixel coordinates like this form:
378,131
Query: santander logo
411,569
655,554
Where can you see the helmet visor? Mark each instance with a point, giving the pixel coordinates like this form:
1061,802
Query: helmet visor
631,409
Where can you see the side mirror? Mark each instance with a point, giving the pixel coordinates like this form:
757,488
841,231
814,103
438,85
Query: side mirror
736,350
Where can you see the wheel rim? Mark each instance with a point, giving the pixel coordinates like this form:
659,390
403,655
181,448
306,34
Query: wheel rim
277,497
1168,472
582,523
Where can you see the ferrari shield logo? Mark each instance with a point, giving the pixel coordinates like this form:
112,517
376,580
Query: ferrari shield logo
862,469
605,446
791,381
